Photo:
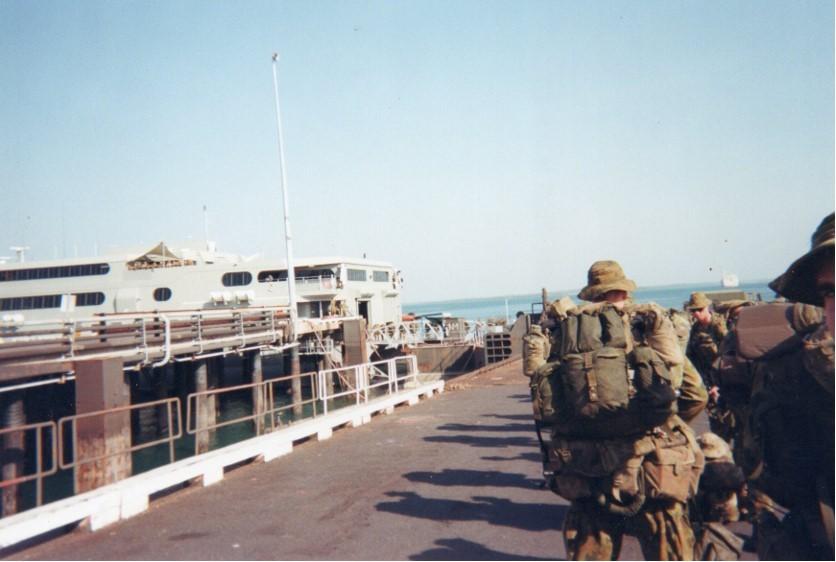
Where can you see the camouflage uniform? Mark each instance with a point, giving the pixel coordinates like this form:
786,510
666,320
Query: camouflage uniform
703,350
592,531
793,417
704,345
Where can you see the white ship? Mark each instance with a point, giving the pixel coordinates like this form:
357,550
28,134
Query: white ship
165,279
729,280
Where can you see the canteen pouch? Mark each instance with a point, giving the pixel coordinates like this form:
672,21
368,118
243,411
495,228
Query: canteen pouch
672,469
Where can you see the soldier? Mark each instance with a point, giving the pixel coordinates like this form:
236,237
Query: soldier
708,330
792,412
619,484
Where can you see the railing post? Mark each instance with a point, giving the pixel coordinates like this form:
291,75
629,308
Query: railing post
101,385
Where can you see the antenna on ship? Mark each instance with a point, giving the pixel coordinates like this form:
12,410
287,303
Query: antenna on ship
291,275
206,228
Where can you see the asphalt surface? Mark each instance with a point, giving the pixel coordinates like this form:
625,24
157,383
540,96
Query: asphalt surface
453,478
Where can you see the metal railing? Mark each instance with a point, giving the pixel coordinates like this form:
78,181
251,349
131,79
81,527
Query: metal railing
362,376
63,438
40,473
142,338
172,407
422,331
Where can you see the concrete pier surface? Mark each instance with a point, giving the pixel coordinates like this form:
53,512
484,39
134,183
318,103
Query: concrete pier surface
452,478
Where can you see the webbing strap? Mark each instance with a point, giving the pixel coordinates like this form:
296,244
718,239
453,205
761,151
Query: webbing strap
591,379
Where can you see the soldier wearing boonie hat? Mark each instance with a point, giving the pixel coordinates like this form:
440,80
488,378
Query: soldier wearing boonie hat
707,332
809,279
793,416
661,525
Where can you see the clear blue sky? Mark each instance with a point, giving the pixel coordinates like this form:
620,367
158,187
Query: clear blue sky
485,148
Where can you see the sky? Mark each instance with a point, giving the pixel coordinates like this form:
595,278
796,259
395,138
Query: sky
484,148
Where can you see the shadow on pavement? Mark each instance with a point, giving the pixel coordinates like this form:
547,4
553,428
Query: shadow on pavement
533,457
463,477
468,427
460,549
493,442
522,417
495,511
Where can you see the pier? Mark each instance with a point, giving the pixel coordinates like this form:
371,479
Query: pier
452,478
90,403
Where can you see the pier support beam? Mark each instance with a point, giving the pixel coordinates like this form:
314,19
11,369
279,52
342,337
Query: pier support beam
205,378
13,414
253,373
101,385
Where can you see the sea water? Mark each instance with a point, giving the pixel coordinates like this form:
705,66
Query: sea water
669,296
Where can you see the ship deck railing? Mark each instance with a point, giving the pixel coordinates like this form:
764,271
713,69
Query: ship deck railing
422,331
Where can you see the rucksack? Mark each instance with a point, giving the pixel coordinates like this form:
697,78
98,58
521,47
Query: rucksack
535,350
598,397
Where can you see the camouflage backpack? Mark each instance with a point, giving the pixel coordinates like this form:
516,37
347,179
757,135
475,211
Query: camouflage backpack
598,396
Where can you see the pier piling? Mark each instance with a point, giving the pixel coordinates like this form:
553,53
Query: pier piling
101,385
253,373
13,414
205,376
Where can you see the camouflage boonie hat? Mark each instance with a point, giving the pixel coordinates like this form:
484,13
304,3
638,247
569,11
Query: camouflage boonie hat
732,305
603,277
798,283
698,301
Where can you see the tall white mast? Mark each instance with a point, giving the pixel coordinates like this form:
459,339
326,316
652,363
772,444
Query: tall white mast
291,275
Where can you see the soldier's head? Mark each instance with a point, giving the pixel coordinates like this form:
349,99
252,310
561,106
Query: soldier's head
809,279
606,282
699,306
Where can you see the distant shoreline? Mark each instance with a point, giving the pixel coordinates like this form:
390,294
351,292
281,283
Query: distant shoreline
706,286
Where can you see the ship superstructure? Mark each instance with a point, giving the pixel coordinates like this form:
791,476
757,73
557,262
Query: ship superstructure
164,279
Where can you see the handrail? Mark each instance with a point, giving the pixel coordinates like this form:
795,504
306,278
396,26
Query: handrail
39,473
171,403
139,339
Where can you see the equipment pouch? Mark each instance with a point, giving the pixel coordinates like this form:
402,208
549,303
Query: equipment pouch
655,395
672,470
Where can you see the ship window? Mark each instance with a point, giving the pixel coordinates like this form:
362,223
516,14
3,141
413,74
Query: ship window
381,276
89,299
31,303
237,278
356,274
272,276
162,294
55,272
